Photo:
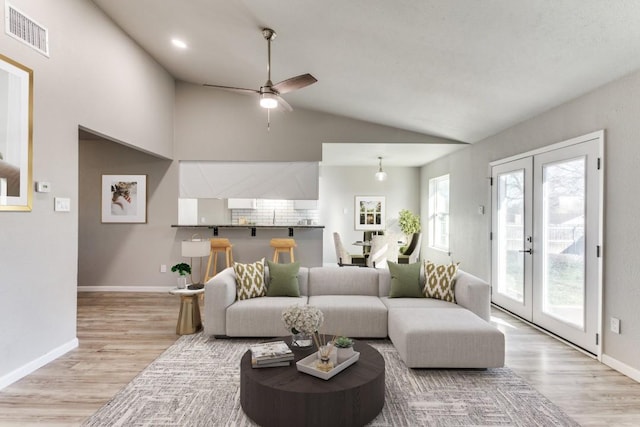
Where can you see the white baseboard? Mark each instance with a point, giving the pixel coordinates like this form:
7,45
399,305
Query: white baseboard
125,288
623,368
36,364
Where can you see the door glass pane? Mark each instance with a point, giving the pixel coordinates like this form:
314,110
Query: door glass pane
510,235
563,245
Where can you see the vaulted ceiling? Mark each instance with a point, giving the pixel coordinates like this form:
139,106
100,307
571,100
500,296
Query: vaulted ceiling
459,69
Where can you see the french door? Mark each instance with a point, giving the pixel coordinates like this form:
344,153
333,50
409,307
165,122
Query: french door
546,233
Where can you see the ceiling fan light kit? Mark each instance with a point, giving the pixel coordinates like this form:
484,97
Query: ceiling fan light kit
270,93
380,175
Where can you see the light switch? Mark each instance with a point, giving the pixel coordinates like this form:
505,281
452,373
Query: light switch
62,204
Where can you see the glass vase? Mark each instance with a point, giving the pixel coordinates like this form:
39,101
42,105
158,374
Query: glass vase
301,340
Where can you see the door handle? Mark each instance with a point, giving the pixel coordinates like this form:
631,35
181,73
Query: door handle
529,251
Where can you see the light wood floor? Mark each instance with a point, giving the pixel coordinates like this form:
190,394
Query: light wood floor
121,333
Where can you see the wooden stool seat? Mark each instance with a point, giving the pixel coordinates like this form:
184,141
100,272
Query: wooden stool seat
218,245
284,246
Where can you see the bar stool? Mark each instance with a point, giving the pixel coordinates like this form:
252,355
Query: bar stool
218,245
283,245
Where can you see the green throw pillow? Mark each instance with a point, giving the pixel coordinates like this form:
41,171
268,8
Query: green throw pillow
250,280
405,280
283,280
440,280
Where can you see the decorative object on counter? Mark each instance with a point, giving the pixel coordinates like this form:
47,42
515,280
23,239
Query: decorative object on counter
303,321
285,246
344,348
124,198
370,213
218,245
16,172
182,269
195,248
380,175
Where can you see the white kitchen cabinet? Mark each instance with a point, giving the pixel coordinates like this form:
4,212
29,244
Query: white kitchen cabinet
242,203
305,204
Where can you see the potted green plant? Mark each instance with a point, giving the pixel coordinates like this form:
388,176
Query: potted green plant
182,269
344,348
409,223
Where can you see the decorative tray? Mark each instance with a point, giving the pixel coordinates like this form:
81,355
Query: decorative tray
308,366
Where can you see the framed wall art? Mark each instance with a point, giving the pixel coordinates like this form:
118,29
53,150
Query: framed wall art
124,198
16,133
370,213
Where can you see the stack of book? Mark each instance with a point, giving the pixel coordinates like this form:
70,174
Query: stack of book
271,354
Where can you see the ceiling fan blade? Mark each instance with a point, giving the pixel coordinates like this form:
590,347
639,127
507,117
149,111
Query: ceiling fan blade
233,89
295,83
283,105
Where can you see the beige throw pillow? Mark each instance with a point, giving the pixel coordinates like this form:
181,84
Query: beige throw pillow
440,280
250,280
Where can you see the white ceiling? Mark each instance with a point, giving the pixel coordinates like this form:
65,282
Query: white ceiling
459,69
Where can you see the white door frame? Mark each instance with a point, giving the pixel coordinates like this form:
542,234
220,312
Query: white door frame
600,137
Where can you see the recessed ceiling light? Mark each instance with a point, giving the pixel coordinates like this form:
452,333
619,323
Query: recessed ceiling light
179,43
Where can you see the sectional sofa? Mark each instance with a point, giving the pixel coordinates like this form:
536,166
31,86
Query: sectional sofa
428,333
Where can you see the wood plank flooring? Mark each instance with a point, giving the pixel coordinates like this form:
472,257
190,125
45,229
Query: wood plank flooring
121,333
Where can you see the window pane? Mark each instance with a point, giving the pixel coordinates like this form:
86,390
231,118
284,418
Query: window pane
563,244
439,212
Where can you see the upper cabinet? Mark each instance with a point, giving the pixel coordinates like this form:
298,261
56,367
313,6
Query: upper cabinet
305,204
249,180
242,204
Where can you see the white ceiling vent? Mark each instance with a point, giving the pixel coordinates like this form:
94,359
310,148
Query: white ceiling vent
21,27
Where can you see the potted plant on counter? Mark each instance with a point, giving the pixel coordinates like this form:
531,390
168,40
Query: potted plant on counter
344,348
182,269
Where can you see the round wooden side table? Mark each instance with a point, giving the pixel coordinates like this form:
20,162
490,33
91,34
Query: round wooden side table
189,321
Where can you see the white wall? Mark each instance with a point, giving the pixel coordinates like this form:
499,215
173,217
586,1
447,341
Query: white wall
340,184
615,108
97,78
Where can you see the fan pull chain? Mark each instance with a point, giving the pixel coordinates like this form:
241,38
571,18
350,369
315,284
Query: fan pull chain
268,119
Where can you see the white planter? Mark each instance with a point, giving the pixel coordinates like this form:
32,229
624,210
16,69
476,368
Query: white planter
344,353
182,282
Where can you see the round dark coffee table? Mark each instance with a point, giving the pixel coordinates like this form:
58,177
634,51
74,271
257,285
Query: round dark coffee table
285,397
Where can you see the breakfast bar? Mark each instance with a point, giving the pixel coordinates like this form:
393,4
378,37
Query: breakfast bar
251,241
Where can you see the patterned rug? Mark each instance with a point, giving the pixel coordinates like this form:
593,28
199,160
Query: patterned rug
195,382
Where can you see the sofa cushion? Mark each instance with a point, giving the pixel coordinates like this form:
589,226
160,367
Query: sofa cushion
259,317
443,338
283,280
250,280
343,281
361,316
405,280
417,303
440,280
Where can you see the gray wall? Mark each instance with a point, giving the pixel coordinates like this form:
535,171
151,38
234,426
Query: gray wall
87,81
615,108
340,184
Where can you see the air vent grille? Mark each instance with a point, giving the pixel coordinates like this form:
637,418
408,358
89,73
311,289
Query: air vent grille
21,27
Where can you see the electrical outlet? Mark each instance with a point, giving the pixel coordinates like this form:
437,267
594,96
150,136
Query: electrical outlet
163,268
615,325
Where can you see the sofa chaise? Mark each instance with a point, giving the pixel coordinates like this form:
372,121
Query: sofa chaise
356,302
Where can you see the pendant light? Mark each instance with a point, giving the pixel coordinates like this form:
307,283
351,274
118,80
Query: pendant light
380,175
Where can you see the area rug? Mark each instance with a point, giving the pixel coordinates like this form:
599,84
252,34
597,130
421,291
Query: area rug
196,382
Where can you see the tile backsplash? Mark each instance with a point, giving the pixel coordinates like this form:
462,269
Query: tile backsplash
285,213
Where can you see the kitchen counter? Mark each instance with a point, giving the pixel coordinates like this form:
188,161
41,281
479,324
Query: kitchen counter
251,241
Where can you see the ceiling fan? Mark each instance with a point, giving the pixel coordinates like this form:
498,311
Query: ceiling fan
270,93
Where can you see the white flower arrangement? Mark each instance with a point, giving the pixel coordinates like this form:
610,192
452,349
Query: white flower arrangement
302,318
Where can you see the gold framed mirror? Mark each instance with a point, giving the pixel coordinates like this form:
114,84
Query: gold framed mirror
16,134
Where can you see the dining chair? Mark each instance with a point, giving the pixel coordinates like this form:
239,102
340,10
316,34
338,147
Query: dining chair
412,253
345,258
383,248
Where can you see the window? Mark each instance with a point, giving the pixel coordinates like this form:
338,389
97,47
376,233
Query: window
439,213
